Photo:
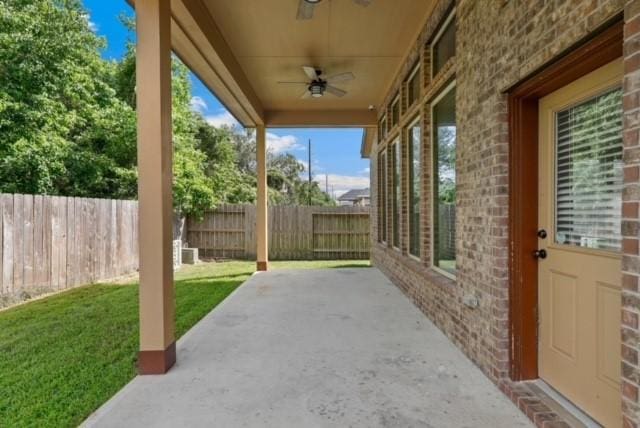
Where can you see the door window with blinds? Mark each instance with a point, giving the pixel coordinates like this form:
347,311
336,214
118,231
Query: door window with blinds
589,174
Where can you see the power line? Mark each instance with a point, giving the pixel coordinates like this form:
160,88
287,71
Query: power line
309,188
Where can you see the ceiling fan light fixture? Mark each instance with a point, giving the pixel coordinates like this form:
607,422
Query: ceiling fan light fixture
316,90
313,1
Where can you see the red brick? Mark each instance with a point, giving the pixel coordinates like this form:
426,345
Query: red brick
629,355
632,27
630,246
630,391
631,174
630,138
632,63
628,423
630,319
630,209
630,282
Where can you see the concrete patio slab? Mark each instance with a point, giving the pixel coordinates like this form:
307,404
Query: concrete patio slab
314,348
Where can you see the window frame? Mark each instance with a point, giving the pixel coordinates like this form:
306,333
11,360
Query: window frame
395,121
379,198
415,71
451,17
434,176
383,197
417,121
396,202
383,127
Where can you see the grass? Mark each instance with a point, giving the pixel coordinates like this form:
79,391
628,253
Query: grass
63,356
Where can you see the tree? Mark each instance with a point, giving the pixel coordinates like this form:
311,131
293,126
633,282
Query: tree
230,182
68,121
446,164
55,99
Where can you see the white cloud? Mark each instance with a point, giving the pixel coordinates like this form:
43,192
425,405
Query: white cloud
221,119
92,25
365,171
198,104
282,143
342,183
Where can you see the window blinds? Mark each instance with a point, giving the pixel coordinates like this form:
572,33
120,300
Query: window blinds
589,172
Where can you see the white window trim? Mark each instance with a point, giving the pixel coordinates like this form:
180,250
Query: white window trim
432,197
416,121
437,37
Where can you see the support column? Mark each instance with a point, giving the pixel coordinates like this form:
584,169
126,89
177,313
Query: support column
262,232
153,79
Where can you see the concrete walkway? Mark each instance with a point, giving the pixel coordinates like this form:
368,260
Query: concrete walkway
314,348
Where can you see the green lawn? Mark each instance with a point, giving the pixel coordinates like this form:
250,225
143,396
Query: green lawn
63,356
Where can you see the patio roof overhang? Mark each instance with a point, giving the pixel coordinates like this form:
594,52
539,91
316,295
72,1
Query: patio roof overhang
240,49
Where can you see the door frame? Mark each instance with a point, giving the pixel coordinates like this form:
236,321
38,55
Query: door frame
600,48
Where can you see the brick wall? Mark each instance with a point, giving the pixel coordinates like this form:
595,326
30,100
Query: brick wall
499,43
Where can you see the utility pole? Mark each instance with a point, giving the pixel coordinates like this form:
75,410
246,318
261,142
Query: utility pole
326,184
309,189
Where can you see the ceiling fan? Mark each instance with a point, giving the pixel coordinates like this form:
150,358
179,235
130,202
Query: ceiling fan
306,7
319,84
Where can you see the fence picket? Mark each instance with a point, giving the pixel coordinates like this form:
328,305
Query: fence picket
7,243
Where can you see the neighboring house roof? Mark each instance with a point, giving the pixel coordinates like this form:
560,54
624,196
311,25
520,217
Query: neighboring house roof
354,194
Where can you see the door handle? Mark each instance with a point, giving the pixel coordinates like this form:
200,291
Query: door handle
542,234
540,254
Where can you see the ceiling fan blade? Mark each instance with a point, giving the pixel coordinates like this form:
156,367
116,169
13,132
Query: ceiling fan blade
342,77
305,10
293,83
310,71
306,95
336,91
362,2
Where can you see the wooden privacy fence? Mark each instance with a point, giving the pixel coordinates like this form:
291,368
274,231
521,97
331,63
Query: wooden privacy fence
50,243
447,231
295,232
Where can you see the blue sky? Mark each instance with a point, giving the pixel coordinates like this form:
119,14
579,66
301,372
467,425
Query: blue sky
335,152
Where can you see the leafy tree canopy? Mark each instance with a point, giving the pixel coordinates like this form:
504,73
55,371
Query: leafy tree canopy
68,122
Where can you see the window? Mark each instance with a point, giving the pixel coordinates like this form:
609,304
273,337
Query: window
443,46
396,160
589,174
415,174
395,111
413,86
383,196
383,128
444,183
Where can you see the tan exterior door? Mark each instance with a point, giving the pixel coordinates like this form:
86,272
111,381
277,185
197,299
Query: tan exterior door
580,173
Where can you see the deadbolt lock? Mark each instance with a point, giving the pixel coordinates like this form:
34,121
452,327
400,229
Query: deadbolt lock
540,254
